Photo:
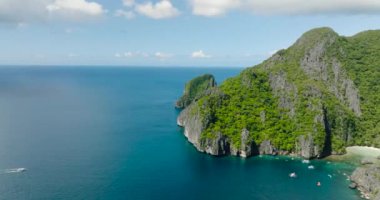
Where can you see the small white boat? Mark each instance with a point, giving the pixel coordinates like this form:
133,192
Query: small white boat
306,161
310,167
293,175
21,169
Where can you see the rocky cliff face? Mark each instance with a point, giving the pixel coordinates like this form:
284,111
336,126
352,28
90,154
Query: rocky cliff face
247,147
304,100
192,121
367,179
306,147
195,122
266,148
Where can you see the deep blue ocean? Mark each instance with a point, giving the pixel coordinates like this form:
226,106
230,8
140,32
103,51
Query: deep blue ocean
110,133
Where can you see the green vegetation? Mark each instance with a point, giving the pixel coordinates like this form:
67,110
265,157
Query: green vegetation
195,89
325,86
248,104
362,63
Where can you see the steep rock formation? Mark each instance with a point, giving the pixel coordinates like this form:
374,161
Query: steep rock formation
367,180
311,99
267,148
285,91
247,147
192,121
306,147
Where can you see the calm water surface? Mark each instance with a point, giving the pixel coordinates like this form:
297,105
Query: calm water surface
111,133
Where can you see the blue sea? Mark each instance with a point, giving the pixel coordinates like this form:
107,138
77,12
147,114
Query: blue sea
110,133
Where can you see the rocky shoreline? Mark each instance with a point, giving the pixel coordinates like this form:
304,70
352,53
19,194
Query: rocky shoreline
366,177
305,101
193,123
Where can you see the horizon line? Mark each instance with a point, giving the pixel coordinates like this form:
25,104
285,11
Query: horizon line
120,66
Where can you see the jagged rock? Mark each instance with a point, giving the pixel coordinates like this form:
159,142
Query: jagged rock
306,147
283,152
367,179
234,151
366,162
247,147
190,118
353,186
313,63
285,91
267,148
194,122
352,96
217,146
344,88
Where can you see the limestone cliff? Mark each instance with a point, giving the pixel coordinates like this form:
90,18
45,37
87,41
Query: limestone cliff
312,99
367,179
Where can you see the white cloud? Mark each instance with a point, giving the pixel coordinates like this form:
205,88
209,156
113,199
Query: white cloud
131,54
123,13
139,54
160,10
128,3
200,54
213,7
286,7
162,56
22,11
296,7
75,9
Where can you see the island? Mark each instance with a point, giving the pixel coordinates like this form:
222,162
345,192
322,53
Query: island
312,100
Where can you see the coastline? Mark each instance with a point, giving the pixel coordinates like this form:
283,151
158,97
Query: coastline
365,177
356,154
364,151
365,160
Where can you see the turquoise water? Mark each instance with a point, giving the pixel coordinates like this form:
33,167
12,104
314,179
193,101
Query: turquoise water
111,133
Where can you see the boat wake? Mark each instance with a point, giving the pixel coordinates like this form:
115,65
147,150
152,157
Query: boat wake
14,170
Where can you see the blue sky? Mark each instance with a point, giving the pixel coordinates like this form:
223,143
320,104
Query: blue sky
235,33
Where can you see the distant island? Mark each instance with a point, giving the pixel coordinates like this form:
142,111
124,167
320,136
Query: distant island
311,100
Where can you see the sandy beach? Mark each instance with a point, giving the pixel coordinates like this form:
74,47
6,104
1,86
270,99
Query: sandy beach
367,152
355,154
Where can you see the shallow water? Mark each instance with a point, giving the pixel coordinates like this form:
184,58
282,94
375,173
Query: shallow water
111,133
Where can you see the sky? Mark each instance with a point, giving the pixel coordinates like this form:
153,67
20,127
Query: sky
198,33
